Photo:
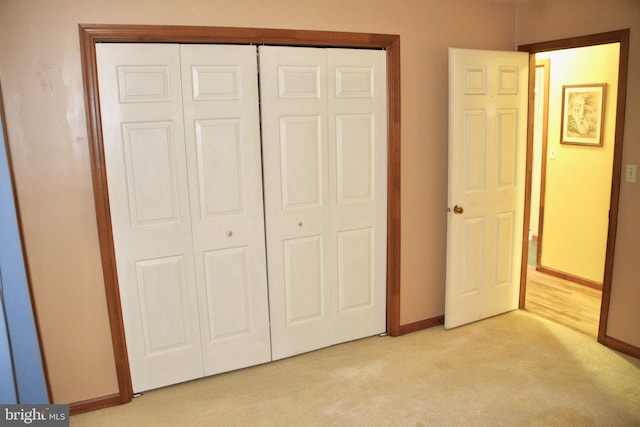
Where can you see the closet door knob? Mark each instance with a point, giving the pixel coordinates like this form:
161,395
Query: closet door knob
229,233
299,223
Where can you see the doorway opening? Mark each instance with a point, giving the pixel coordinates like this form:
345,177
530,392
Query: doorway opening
571,211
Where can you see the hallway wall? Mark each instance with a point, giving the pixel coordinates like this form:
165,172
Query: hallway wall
578,179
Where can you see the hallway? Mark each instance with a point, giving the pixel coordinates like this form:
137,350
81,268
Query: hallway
564,302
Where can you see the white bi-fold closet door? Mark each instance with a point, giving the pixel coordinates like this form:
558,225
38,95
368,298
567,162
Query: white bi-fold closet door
182,153
325,179
182,147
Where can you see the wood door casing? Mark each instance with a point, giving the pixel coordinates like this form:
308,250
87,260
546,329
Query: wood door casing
622,37
91,34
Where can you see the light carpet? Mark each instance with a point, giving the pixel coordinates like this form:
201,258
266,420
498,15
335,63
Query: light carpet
511,370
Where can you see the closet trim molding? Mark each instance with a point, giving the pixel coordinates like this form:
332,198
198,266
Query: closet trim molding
90,34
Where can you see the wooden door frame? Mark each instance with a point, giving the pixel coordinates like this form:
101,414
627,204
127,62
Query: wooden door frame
545,65
622,37
90,34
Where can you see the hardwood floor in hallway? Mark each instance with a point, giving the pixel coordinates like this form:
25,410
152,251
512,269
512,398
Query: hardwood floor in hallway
567,303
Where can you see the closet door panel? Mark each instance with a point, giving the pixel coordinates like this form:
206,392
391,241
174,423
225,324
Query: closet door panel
141,106
303,279
324,155
294,147
161,287
220,181
357,139
222,129
301,161
355,270
228,302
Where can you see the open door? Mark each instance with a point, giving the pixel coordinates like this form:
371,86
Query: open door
487,158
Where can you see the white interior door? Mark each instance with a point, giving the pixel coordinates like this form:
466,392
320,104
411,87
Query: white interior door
487,153
146,167
324,159
222,128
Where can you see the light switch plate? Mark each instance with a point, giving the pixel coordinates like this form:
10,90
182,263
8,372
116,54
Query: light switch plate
631,174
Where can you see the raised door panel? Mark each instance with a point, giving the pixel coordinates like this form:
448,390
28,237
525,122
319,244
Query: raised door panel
355,157
355,270
222,131
149,157
304,279
218,144
474,244
475,137
228,300
145,161
162,290
301,161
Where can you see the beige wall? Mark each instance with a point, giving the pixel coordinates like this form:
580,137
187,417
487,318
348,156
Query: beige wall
542,20
42,85
578,179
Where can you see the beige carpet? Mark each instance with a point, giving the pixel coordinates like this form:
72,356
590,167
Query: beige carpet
511,370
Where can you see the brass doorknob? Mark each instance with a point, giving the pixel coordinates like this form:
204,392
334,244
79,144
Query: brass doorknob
458,210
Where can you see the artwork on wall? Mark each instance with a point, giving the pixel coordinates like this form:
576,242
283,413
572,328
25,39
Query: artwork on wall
582,114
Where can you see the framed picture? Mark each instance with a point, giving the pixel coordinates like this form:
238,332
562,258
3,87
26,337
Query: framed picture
582,114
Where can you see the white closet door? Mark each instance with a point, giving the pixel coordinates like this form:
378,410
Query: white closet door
358,179
325,195
295,161
146,167
222,128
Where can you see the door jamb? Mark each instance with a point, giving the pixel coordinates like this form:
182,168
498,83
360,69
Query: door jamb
545,65
90,34
622,37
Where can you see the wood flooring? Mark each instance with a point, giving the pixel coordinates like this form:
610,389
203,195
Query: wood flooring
569,304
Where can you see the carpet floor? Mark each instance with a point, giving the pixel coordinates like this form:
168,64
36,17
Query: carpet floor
511,370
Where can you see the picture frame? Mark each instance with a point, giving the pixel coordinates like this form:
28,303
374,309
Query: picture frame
583,114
